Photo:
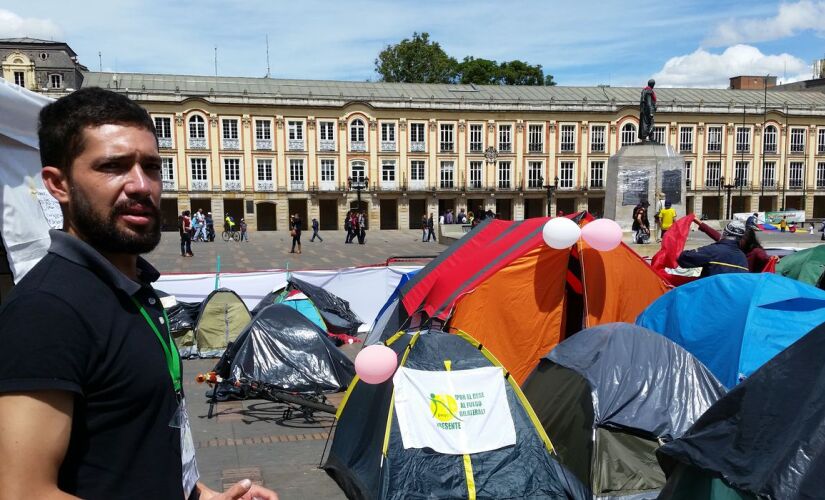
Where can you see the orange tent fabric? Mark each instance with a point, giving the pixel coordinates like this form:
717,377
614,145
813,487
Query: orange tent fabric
519,313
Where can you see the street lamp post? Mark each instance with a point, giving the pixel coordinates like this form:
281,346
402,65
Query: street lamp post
551,188
358,184
719,185
728,188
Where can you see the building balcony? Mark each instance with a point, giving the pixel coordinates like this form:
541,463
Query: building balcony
169,185
447,147
264,186
388,146
328,186
795,184
417,147
232,185
567,148
534,185
418,186
446,185
199,185
505,147
297,186
769,150
230,143
358,146
389,186
686,148
263,144
797,150
326,145
475,186
295,145
476,148
535,148
165,143
743,150
198,143
712,183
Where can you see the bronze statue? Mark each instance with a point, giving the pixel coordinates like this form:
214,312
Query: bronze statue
647,107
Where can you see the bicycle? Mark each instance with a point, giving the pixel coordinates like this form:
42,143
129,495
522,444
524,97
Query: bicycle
231,235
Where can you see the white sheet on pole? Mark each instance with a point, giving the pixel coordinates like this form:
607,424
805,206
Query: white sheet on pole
23,224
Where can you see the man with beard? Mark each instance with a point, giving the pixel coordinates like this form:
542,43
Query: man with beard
91,400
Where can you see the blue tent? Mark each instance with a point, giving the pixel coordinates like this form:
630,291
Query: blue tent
387,310
734,323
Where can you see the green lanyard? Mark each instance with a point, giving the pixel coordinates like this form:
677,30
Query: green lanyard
169,350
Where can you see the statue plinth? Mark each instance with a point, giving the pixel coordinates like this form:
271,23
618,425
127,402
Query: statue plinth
640,172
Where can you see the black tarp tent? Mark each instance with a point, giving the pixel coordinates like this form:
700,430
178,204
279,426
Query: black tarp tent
765,439
609,395
368,459
280,347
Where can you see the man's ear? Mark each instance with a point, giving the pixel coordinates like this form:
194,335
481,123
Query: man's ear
57,183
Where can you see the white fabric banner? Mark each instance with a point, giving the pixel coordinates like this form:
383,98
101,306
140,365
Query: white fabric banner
453,412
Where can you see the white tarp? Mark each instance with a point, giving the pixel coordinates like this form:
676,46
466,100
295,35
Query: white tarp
453,412
366,289
28,210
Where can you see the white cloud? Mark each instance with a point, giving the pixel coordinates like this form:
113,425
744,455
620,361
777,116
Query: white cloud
705,69
791,19
14,26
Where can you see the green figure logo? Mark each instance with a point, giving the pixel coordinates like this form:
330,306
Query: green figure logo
444,407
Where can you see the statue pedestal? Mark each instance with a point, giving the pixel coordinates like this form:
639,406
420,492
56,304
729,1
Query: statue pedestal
639,172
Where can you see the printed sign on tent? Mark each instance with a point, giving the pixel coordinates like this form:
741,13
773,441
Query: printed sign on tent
453,412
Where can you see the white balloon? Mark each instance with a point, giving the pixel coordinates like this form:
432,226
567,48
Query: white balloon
561,233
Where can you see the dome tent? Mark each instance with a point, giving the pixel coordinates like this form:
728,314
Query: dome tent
222,316
609,395
369,461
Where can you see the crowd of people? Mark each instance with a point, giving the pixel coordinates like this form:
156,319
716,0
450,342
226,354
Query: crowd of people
201,227
355,224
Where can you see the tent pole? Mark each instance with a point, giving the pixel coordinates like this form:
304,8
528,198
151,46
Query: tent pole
218,273
584,282
329,435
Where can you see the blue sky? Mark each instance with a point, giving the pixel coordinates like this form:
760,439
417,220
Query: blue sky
681,43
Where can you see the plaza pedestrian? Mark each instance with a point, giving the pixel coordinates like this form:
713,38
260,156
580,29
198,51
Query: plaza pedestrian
210,227
201,231
423,227
296,233
348,227
362,228
242,227
315,227
91,395
431,228
783,224
665,217
185,228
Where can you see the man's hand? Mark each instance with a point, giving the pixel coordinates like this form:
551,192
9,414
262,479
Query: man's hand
242,490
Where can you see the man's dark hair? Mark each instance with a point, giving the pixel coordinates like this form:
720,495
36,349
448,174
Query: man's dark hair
62,122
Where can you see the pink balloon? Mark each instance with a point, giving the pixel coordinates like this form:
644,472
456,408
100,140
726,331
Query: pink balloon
602,234
375,363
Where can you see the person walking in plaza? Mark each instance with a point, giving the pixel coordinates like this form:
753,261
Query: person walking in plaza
200,231
185,235
724,256
783,224
348,228
424,227
210,227
296,233
91,393
242,227
431,228
196,227
641,224
666,218
315,234
362,228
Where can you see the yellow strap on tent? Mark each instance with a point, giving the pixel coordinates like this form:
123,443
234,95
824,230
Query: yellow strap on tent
351,387
516,390
471,482
728,265
448,364
392,398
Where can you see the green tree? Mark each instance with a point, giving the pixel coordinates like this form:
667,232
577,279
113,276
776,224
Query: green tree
479,71
548,81
419,60
520,73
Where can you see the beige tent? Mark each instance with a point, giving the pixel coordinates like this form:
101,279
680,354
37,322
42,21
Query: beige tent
222,317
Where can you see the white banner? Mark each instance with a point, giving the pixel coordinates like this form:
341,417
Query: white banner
453,412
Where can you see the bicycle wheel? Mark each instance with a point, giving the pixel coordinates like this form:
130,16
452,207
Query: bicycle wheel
303,402
236,236
225,235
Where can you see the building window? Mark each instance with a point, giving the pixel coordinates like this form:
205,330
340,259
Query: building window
296,174
535,138
714,139
446,137
200,174
417,137
659,134
534,177
686,139
388,171
505,138
476,174
55,81
167,173
20,78
417,171
476,137
358,171
388,132
264,170
597,142
295,131
229,136
163,131
820,147
628,134
820,175
795,174
567,143
566,172
712,173
597,174
327,170
263,131
326,136
741,173
504,175
688,173
769,174
197,129
447,175
356,130
797,140
769,140
743,140
232,174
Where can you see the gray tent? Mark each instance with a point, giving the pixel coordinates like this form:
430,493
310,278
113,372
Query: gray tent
609,395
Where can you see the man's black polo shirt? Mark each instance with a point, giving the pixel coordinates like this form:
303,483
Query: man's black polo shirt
71,325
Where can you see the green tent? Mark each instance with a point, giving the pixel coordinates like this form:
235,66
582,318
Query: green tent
222,317
806,265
